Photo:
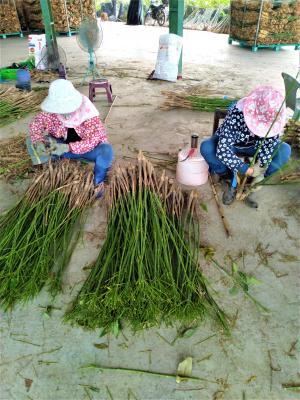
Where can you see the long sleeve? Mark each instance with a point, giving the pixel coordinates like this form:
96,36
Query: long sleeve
37,126
44,122
92,132
267,149
226,154
228,135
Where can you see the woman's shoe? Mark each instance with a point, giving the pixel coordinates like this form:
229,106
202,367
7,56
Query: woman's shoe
99,190
229,195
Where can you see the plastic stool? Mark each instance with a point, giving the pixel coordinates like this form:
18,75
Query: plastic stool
97,84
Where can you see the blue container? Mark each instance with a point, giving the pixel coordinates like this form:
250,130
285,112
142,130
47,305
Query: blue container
23,80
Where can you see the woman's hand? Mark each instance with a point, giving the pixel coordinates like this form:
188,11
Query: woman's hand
250,171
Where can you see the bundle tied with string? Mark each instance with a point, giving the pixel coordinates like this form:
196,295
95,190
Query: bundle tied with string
147,271
36,234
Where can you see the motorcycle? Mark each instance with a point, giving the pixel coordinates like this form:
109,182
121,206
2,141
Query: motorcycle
157,12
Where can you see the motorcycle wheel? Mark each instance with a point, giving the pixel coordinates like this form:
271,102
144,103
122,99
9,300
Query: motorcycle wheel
161,18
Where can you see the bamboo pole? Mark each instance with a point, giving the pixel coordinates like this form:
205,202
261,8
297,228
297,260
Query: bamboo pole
220,208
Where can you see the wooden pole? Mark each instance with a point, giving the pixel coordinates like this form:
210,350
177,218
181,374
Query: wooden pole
220,208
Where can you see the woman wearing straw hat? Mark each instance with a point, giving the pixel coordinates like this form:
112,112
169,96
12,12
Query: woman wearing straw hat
74,127
253,125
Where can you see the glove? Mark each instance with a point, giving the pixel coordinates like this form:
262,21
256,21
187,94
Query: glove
258,171
258,175
60,149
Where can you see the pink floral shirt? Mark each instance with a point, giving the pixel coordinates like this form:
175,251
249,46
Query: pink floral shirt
92,131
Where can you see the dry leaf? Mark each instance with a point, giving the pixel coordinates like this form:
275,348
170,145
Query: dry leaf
184,370
101,346
28,382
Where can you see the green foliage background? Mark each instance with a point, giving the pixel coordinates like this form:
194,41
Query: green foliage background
197,3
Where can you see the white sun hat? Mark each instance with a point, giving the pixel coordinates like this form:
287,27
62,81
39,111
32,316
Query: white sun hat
62,98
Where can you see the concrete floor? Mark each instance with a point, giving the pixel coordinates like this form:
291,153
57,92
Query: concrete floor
258,358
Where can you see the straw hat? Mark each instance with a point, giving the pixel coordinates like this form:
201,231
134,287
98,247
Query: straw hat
260,109
62,98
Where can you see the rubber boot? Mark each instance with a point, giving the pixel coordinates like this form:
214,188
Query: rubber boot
229,195
250,202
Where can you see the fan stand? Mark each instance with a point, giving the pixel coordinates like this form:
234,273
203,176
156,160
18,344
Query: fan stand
91,69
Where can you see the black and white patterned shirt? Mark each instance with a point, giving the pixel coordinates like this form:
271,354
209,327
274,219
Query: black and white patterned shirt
234,132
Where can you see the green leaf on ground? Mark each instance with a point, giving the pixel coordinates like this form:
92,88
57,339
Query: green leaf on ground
234,268
204,207
101,346
234,290
184,370
116,328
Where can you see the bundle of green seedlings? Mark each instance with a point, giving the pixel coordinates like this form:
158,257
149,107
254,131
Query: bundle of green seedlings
36,235
147,271
194,102
16,104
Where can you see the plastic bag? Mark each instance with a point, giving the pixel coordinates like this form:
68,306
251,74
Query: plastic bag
170,47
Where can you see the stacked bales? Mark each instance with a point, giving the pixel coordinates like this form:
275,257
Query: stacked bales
67,14
33,14
269,22
9,20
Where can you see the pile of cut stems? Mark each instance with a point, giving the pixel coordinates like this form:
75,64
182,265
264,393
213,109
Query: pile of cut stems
14,158
194,102
147,271
288,174
16,104
292,133
35,234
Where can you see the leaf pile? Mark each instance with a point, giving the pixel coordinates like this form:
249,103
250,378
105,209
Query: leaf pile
35,234
147,270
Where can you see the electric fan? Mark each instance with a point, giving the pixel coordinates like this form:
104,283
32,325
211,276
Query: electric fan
89,38
52,61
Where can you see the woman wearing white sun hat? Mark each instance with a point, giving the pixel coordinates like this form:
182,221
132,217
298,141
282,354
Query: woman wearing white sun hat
243,131
72,121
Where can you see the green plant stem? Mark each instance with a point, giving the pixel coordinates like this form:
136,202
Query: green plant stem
256,302
142,372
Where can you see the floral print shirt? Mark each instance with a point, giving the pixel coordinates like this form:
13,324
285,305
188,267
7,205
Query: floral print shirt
92,131
233,135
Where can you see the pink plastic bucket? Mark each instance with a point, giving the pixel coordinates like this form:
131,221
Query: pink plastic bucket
193,171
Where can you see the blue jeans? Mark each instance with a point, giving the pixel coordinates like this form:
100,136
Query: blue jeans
102,155
208,149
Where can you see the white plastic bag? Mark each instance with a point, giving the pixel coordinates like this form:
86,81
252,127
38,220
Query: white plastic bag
36,44
166,68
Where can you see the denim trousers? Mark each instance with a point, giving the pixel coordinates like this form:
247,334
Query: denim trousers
208,149
102,155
